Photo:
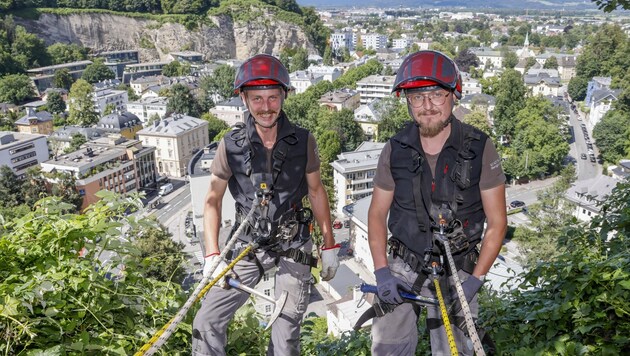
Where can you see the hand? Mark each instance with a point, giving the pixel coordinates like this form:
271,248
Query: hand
209,261
330,262
387,286
471,287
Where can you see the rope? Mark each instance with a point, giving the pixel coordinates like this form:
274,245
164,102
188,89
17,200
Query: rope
447,323
160,337
470,324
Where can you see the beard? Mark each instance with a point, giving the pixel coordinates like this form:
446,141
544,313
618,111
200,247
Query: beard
432,130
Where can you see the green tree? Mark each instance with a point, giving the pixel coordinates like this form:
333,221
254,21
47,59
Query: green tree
479,120
530,62
55,103
215,125
109,108
176,69
63,79
327,57
510,60
611,135
182,101
510,100
612,5
34,186
551,63
489,85
220,83
394,116
299,61
97,72
10,188
28,50
80,104
16,88
131,94
75,142
466,59
349,132
156,244
65,53
577,88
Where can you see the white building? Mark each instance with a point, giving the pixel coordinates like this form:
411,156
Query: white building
104,97
343,313
601,102
303,79
231,111
146,108
20,151
375,87
470,85
329,73
374,41
401,43
488,57
176,139
139,85
353,173
543,82
342,39
587,194
340,99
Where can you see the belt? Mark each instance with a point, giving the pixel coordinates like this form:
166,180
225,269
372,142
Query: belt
299,256
465,262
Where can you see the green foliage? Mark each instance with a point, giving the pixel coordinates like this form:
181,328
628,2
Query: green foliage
342,123
63,79
81,106
64,53
57,296
577,88
613,136
394,116
551,63
55,103
510,96
220,83
75,142
245,334
215,125
176,69
97,72
28,50
16,88
479,120
612,5
350,78
577,302
182,101
489,85
10,187
510,60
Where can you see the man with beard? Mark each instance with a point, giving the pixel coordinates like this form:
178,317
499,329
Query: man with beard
266,149
436,172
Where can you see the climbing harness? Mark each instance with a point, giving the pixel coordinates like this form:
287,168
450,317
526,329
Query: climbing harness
263,195
447,323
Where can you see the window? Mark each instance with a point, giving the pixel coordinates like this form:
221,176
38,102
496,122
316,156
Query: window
268,309
267,292
266,277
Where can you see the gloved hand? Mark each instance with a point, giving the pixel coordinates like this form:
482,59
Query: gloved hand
471,287
209,261
330,262
387,286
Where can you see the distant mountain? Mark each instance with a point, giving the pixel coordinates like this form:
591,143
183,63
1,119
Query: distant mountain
471,4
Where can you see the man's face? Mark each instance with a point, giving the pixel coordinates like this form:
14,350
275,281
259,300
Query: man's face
431,109
264,104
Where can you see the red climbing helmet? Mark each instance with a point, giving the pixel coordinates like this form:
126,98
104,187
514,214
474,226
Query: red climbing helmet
262,71
428,68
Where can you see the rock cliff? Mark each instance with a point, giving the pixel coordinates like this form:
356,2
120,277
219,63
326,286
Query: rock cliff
226,39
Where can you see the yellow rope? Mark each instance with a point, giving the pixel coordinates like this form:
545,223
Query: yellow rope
447,323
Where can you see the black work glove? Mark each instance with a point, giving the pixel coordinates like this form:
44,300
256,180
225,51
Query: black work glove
471,287
387,286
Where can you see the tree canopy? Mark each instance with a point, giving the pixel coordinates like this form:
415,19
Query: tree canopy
97,72
81,107
16,88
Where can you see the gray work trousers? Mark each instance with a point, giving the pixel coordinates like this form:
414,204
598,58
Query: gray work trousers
219,305
396,333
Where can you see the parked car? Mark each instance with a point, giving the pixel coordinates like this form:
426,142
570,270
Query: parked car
593,159
337,224
583,156
346,223
516,204
165,189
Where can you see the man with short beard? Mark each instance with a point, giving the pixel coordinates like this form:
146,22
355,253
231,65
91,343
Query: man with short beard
437,171
267,145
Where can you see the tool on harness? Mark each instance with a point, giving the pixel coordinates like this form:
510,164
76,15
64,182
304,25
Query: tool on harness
162,335
262,227
278,303
470,324
370,288
447,325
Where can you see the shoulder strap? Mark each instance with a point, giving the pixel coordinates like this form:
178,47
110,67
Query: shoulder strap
280,154
416,164
463,164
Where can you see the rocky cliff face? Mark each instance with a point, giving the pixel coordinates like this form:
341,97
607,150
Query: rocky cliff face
226,39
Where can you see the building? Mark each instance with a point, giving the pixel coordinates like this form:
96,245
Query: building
488,58
342,314
588,194
375,87
353,173
595,84
358,213
303,79
199,178
567,67
109,163
43,77
369,116
20,151
340,99
187,57
601,102
621,171
176,139
147,108
480,102
114,99
329,73
543,82
124,124
117,60
35,122
231,111
374,41
340,40
61,138
139,70
140,85
401,43
470,85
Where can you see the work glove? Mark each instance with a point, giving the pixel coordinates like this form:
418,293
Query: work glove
330,262
209,261
471,287
387,286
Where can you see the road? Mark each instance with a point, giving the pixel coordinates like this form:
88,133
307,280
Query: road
585,169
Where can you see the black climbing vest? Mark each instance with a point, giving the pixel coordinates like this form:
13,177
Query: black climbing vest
455,185
286,163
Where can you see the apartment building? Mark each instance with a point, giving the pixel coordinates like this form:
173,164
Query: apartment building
43,77
187,57
149,107
115,98
117,60
231,111
374,41
339,40
353,173
124,124
139,70
340,99
140,85
375,87
176,139
303,79
329,73
20,151
109,163
488,57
